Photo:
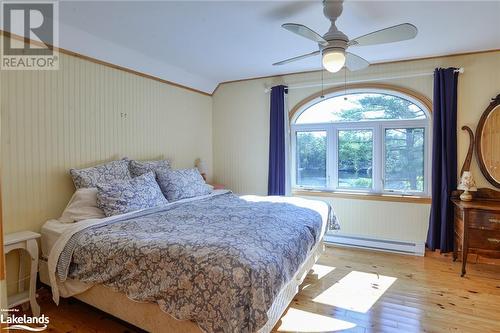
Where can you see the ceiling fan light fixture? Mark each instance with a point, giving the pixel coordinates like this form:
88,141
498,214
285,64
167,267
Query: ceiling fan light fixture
333,59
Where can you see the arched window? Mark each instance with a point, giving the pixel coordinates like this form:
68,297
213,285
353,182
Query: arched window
368,140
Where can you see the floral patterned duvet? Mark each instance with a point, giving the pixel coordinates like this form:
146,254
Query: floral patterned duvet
219,261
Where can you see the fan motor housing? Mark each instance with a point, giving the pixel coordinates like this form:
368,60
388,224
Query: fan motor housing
334,44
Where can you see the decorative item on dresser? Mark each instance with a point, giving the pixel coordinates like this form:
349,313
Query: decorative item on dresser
477,225
467,184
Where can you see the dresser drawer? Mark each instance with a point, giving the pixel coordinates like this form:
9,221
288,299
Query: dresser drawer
484,220
484,239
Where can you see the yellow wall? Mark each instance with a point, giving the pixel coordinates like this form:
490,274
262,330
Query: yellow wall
55,120
241,131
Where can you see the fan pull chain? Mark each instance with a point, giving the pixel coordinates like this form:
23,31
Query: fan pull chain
322,85
345,83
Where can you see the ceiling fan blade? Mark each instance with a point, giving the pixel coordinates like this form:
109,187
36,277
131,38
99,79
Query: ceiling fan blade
296,58
388,35
355,62
304,31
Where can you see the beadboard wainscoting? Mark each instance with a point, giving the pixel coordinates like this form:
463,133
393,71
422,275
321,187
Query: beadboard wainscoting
381,225
82,114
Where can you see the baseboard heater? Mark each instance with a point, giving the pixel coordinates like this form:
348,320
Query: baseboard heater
417,249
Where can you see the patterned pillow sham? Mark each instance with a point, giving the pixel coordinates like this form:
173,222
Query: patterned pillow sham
99,174
125,196
181,184
138,168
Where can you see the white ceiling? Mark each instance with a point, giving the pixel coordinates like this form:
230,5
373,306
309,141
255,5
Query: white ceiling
203,43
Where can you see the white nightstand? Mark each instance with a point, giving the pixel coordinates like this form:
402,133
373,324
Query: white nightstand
24,240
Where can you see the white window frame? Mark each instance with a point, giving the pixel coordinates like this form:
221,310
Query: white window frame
378,128
293,141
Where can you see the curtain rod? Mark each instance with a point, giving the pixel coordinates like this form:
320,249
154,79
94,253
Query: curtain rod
326,84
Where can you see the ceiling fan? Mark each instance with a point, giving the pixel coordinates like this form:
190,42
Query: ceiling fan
333,44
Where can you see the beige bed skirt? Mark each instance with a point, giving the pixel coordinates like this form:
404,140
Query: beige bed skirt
149,316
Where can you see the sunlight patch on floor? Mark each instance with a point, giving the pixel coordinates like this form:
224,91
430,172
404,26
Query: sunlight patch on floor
321,270
357,291
297,320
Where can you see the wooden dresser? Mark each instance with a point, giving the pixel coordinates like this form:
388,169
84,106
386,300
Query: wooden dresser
477,226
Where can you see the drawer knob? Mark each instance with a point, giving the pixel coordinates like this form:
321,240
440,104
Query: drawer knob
494,240
494,220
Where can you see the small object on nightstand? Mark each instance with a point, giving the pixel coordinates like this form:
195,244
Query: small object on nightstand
202,168
24,240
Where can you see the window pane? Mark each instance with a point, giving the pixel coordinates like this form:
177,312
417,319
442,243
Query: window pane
311,158
359,107
355,159
404,159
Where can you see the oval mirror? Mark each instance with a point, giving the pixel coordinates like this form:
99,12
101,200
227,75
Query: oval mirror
488,142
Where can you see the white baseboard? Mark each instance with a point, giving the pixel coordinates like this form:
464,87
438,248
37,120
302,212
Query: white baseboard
385,245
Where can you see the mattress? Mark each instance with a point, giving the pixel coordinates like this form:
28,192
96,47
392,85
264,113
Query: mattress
51,231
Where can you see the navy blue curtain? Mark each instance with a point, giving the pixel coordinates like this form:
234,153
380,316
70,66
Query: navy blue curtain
277,167
444,159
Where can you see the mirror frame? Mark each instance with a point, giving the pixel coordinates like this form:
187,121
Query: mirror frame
479,131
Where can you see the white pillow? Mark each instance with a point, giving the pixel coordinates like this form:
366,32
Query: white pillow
82,206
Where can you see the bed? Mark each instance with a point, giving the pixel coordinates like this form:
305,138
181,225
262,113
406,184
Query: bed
213,263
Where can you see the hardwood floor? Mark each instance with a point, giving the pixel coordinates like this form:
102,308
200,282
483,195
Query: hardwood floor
357,291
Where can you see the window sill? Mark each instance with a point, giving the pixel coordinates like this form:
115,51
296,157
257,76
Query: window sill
364,196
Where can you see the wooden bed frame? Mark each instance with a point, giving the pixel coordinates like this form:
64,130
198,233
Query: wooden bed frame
149,316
